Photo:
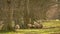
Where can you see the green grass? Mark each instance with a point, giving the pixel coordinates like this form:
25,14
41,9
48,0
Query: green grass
47,24
34,31
52,23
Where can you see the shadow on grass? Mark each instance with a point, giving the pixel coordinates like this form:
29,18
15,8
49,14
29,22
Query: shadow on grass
5,31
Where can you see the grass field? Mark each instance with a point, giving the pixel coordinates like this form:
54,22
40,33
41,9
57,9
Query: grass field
45,30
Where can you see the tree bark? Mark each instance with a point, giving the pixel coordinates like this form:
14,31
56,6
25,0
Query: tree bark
26,13
8,22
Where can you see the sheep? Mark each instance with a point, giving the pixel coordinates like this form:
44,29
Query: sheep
17,26
37,25
29,26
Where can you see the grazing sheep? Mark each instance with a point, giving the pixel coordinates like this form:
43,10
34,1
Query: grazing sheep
29,26
37,25
17,27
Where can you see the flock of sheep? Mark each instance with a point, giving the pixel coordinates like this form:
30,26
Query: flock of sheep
35,25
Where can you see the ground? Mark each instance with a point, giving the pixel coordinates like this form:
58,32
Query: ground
49,27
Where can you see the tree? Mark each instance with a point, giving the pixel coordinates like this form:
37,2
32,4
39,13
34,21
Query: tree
9,13
26,13
58,9
29,10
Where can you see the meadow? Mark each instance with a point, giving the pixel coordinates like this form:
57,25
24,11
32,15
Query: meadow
49,27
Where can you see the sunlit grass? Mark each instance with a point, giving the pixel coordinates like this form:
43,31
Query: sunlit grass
52,23
47,24
35,31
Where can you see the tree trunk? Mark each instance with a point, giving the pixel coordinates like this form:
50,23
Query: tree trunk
26,13
8,22
59,9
